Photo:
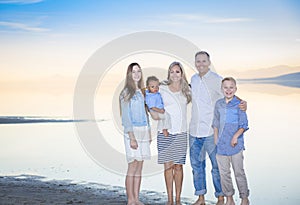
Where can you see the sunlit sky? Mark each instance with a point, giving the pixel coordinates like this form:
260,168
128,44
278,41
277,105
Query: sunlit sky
43,40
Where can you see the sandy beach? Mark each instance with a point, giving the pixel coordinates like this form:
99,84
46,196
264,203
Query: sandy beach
31,189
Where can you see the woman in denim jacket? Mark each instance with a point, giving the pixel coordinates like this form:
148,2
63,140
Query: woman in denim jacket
137,136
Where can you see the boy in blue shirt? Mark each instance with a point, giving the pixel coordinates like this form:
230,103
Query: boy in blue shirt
155,105
229,125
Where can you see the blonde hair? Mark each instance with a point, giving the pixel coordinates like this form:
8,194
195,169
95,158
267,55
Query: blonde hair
185,88
229,79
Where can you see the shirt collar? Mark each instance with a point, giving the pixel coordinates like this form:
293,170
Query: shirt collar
232,102
206,74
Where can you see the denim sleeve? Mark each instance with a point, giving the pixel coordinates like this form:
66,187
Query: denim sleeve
126,119
216,120
243,121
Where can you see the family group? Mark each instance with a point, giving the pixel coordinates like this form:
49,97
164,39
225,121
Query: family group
218,121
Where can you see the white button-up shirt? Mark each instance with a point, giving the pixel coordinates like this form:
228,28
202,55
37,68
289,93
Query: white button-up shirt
206,90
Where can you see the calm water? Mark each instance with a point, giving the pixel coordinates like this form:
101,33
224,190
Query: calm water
271,157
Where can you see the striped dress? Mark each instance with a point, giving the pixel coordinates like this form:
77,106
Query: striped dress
174,147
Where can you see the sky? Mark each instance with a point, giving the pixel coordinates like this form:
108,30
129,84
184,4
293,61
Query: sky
45,43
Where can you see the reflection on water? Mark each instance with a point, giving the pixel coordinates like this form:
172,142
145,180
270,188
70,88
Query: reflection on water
291,80
271,157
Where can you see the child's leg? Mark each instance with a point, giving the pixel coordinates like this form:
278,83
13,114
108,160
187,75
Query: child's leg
164,123
154,115
166,120
225,174
240,176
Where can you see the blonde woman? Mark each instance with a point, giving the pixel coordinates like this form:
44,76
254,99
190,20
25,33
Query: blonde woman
172,148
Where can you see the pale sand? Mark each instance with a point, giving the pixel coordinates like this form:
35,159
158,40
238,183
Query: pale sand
29,189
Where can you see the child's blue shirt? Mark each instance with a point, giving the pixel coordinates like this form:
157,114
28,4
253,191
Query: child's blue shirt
228,118
154,100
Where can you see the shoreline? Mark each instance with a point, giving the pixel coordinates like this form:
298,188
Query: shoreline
32,189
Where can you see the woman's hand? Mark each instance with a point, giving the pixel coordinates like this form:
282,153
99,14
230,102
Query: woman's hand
133,144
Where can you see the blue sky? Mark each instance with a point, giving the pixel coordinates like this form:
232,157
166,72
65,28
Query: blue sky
239,34
45,43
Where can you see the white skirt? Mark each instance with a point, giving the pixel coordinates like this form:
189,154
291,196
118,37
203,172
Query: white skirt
143,139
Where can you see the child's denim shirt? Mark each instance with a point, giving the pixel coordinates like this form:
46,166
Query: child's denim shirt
228,118
133,112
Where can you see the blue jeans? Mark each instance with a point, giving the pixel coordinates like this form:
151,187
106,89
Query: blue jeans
198,149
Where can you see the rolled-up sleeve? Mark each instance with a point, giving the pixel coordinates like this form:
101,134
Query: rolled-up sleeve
126,119
243,121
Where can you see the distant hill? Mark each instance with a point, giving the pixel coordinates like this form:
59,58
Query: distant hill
290,80
263,72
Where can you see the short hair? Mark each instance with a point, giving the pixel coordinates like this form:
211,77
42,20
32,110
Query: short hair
202,53
229,79
151,78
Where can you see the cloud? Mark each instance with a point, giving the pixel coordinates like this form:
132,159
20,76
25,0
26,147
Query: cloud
20,1
228,20
21,26
186,18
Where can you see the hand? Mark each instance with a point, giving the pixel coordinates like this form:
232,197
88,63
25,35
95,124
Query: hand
162,111
243,105
234,142
133,144
215,141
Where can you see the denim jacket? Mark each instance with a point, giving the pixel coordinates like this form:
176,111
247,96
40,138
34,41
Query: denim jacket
133,112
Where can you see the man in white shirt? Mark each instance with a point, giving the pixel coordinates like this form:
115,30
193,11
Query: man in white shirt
206,90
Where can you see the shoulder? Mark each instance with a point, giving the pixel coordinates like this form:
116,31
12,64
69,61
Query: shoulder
220,101
123,93
194,77
163,88
215,75
236,101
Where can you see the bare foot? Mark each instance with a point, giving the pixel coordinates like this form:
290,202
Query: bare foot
166,133
245,201
178,203
169,203
220,200
200,201
138,203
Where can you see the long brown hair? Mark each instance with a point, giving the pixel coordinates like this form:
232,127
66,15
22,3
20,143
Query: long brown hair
130,88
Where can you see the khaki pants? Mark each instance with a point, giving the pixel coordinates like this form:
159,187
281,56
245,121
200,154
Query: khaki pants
239,173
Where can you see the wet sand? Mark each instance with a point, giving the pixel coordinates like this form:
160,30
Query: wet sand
30,189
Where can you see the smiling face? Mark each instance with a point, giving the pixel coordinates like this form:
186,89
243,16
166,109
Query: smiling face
229,88
202,64
136,73
153,86
175,74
